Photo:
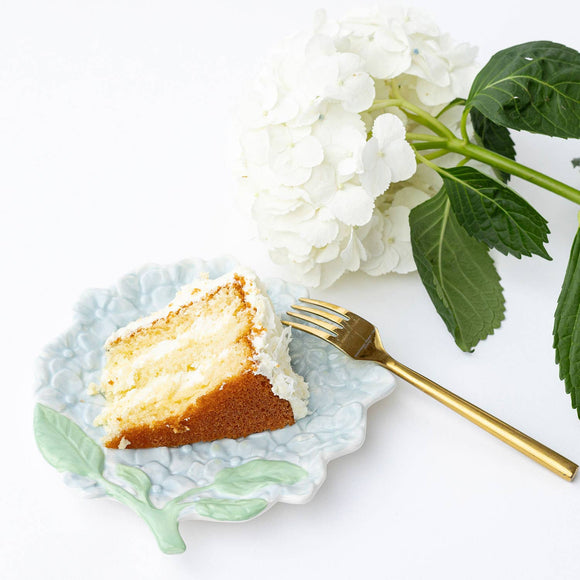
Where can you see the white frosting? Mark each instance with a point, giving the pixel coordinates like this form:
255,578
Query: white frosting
271,348
270,341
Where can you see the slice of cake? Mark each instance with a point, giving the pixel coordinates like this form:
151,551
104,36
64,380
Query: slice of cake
213,364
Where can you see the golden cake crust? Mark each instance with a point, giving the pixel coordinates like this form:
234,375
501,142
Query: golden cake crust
243,405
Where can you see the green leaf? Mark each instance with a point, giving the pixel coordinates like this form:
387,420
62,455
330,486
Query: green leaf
567,326
249,477
495,138
457,272
576,162
231,510
494,214
65,445
138,479
532,87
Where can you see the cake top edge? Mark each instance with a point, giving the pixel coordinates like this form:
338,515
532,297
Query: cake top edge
188,294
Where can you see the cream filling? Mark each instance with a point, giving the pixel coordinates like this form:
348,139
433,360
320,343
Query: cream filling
124,377
169,393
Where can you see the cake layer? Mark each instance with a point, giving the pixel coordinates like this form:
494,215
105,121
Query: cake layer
244,405
160,370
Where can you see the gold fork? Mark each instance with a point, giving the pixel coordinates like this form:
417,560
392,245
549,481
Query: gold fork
360,339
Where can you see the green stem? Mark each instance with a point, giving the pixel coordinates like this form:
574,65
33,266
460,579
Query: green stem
513,168
426,161
418,115
452,104
422,137
436,154
446,140
464,117
384,104
440,144
417,119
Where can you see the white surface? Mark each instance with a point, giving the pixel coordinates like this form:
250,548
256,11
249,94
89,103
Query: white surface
106,103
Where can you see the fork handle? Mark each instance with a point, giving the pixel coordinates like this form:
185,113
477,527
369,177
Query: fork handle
516,439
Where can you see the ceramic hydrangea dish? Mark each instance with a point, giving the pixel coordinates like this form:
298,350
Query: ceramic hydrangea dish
226,480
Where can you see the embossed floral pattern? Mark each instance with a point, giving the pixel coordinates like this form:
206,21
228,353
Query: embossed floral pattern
341,391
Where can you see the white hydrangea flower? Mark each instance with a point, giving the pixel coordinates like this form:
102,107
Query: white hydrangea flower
266,105
444,71
391,251
329,178
387,157
292,153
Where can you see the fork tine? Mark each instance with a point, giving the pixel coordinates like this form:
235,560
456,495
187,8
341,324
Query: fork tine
322,313
328,305
310,329
326,325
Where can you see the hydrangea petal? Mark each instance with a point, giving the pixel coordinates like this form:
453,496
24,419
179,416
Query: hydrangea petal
327,253
330,272
385,263
322,184
400,219
289,173
353,254
376,177
406,262
433,95
308,152
388,128
401,160
290,241
351,205
358,92
319,232
409,197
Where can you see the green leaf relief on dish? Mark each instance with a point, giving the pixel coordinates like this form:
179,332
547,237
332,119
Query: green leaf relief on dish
68,448
65,445
138,480
250,477
231,510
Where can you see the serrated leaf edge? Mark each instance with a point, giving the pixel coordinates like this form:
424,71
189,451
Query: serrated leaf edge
452,325
502,246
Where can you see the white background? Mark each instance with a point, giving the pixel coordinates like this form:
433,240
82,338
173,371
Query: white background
115,118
